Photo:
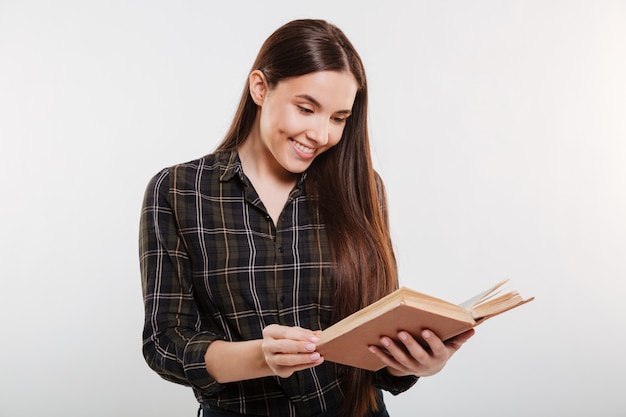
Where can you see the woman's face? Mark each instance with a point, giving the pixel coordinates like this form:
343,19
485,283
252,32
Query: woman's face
302,117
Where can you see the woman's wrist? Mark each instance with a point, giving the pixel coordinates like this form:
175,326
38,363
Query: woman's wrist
236,361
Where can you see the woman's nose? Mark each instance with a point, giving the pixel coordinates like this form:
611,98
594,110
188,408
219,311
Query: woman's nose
318,131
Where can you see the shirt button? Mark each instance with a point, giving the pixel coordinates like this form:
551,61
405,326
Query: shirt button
282,299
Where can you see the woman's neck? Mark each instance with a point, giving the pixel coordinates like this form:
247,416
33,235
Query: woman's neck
271,181
258,162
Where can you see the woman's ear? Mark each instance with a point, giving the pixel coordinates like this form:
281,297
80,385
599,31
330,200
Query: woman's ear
258,87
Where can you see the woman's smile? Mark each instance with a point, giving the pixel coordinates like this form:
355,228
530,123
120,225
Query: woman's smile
303,150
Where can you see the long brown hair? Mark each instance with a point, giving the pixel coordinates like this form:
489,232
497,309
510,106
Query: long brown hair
341,181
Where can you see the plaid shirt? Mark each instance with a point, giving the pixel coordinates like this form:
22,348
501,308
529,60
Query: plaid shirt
214,266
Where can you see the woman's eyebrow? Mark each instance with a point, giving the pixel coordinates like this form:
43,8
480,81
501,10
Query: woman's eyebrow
309,98
318,104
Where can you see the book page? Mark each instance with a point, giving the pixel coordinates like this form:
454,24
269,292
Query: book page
495,306
480,298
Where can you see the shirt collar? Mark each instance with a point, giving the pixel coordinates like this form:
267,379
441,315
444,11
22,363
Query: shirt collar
231,168
230,165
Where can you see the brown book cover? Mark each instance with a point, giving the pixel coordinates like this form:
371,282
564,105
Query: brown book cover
347,341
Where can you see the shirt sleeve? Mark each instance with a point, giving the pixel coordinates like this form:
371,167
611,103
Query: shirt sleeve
393,384
174,342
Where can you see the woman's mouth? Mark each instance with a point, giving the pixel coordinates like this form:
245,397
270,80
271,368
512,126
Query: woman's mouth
302,148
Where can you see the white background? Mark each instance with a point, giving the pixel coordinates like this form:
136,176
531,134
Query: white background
499,128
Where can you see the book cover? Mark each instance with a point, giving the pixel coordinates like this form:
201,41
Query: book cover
347,341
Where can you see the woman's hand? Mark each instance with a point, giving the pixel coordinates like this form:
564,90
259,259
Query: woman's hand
289,349
282,351
410,358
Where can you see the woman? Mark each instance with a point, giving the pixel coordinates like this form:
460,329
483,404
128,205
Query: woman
247,253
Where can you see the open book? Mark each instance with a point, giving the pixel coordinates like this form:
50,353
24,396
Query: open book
347,341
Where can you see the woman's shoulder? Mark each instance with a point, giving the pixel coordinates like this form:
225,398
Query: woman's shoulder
212,161
218,160
185,172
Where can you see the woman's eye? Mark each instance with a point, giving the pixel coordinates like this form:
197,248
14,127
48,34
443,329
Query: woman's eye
304,109
339,119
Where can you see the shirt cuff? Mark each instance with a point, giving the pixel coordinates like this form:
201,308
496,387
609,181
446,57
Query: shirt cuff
393,384
194,364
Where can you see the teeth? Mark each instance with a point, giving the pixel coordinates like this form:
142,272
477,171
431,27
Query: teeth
303,148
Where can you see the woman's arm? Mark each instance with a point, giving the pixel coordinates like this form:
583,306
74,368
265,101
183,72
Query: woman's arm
282,351
174,342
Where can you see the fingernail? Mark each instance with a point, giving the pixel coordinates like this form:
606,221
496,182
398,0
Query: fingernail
426,334
310,346
314,356
402,336
314,339
384,341
372,349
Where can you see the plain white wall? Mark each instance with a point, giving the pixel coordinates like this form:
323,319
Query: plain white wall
498,126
